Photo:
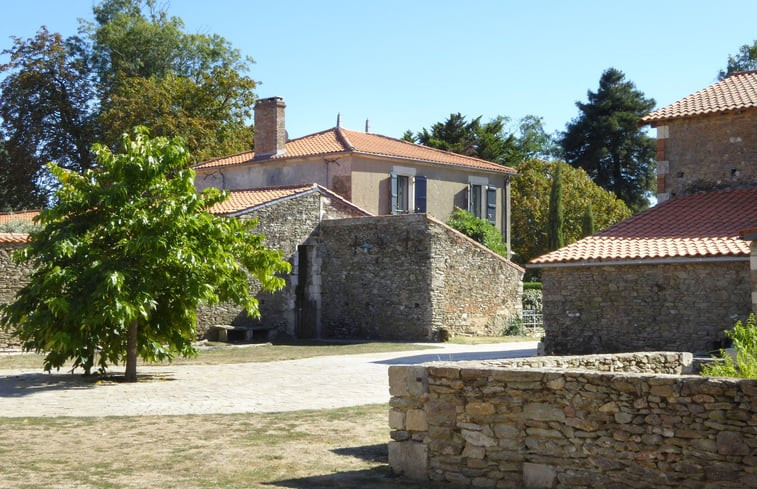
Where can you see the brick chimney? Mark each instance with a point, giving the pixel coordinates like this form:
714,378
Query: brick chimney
270,131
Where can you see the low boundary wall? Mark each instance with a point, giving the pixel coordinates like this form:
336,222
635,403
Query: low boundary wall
614,421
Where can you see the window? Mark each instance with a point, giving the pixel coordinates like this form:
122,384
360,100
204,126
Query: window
491,205
482,199
408,191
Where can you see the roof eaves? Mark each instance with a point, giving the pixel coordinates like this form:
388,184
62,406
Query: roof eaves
639,261
271,202
505,169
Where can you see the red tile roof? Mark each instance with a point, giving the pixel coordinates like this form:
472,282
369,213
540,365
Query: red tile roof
240,200
21,216
737,92
339,140
14,237
695,226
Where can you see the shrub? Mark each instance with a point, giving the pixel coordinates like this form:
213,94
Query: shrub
480,230
531,286
515,327
532,300
744,338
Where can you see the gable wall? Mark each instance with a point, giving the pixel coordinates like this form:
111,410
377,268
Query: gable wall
270,174
625,308
707,153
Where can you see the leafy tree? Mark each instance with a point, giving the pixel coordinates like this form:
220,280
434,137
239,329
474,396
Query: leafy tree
744,365
134,65
46,110
18,182
745,60
530,206
587,223
606,141
533,141
555,234
480,230
126,255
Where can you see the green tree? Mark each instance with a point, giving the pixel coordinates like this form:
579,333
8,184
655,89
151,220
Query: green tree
587,223
478,229
489,141
555,234
126,255
605,140
530,206
533,141
134,65
17,181
745,60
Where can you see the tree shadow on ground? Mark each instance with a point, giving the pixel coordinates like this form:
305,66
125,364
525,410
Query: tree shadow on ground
375,478
25,384
458,357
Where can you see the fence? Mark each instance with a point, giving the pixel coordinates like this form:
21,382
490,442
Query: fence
532,319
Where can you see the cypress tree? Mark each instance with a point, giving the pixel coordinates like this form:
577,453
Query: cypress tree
587,222
555,235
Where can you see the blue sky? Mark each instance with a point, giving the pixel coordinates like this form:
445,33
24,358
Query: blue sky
407,64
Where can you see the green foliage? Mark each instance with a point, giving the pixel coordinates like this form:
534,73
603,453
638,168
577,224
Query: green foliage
515,327
587,223
605,140
131,244
532,286
745,60
480,230
555,234
532,299
134,65
744,338
18,226
530,206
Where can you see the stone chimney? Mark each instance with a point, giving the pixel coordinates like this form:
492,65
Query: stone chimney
270,131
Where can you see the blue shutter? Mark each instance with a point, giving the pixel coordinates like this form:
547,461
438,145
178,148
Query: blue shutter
491,205
394,202
420,194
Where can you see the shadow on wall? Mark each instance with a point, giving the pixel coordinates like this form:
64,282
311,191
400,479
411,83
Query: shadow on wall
458,357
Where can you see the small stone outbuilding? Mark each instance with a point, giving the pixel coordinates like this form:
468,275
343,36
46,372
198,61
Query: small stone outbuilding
678,274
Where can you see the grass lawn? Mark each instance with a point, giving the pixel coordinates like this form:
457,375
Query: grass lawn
339,448
223,353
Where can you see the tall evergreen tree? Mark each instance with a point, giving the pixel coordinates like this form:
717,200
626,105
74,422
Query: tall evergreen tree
555,234
605,139
587,222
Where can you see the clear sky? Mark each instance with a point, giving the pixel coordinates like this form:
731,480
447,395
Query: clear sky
408,64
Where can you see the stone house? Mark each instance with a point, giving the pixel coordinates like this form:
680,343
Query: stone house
12,275
379,174
355,275
676,275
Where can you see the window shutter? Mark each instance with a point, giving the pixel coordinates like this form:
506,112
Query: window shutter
420,194
491,205
394,193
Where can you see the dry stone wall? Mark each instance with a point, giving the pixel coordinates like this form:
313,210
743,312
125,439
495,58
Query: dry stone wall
12,277
409,277
607,309
608,421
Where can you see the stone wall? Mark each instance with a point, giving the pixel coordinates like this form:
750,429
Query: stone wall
606,309
543,427
706,153
409,277
12,278
286,225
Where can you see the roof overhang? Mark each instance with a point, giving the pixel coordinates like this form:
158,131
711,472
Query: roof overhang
643,261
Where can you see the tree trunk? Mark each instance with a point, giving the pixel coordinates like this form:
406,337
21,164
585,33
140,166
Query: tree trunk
131,352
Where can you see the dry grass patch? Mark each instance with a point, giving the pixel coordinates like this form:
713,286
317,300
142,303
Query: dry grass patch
223,353
306,449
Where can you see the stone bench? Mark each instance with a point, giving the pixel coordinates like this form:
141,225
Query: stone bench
228,332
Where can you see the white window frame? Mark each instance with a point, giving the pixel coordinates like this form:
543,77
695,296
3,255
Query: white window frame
409,172
483,183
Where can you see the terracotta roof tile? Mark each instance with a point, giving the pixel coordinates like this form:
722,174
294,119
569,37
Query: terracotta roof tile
695,226
338,140
738,91
21,216
14,238
244,199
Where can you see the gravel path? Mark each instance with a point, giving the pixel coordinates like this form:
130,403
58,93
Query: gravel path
311,383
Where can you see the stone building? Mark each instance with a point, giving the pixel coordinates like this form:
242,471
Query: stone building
675,276
12,275
380,174
354,275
